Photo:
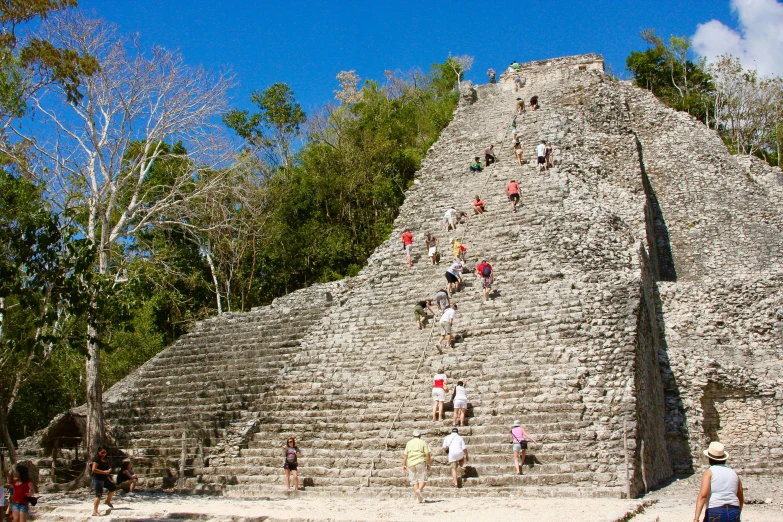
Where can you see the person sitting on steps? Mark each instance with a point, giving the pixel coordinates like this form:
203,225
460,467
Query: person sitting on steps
489,155
476,165
126,477
478,206
512,191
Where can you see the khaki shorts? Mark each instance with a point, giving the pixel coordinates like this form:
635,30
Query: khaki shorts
417,473
445,328
456,463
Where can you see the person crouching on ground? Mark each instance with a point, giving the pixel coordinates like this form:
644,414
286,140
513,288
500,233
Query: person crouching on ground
101,479
417,461
519,439
721,488
126,477
476,165
291,453
420,313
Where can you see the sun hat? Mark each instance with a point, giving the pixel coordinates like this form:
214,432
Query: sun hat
417,432
516,424
716,452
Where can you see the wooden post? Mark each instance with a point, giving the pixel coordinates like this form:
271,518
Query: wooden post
625,446
182,463
54,457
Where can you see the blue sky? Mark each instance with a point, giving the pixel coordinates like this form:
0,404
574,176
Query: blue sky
305,44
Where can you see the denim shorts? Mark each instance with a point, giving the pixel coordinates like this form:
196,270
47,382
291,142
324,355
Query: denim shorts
725,513
20,507
99,484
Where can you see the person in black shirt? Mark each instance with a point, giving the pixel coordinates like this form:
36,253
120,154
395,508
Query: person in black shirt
420,313
101,479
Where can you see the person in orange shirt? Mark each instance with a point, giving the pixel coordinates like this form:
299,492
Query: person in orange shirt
478,206
407,244
512,191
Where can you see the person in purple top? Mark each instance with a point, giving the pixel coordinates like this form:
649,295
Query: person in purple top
519,439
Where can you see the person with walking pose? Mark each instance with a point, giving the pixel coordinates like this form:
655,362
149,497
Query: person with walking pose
101,479
460,401
417,461
23,488
512,191
721,488
519,440
440,385
291,454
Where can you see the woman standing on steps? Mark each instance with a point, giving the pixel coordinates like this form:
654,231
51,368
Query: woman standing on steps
519,439
291,454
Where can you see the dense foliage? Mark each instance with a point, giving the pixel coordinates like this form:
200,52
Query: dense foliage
306,200
747,110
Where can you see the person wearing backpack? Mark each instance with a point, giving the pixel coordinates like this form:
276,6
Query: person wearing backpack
487,276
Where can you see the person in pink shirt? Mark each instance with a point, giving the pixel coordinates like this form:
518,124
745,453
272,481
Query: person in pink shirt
407,244
512,191
519,439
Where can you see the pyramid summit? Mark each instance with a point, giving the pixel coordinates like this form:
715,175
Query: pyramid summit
636,315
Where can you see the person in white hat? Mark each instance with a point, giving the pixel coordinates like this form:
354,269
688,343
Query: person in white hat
519,439
417,460
721,488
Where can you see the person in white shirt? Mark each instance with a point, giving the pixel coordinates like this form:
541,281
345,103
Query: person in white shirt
455,446
541,153
450,219
721,488
446,324
460,404
440,385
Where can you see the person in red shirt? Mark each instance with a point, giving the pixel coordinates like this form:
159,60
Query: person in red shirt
487,276
478,206
407,244
23,488
512,191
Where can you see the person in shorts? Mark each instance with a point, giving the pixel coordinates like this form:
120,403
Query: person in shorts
518,82
419,311
486,276
460,401
512,191
491,73
407,245
549,154
541,153
101,479
23,488
450,219
453,277
478,206
519,440
126,477
446,324
518,151
440,386
291,454
457,451
432,243
442,299
519,107
417,461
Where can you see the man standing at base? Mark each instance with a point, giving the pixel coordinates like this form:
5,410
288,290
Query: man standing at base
457,450
417,460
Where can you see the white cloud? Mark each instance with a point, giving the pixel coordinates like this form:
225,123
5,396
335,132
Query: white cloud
758,43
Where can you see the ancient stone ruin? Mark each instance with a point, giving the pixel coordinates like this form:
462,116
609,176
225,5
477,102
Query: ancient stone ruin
637,315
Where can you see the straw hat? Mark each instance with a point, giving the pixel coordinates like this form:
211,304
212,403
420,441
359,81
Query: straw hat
716,452
417,432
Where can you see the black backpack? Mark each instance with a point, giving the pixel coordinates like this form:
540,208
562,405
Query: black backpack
486,271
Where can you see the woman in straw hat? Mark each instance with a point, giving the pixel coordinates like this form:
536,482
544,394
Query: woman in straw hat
721,488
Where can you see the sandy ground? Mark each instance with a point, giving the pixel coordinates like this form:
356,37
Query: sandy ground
674,503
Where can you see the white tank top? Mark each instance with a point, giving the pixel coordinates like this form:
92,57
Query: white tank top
723,487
